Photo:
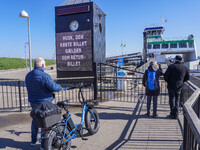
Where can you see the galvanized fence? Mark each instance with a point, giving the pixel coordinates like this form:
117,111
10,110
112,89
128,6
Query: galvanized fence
13,93
129,88
126,88
72,95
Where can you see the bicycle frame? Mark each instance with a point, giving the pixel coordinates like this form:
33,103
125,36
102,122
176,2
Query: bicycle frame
73,134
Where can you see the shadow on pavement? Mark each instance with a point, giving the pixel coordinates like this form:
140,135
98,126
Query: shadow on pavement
16,133
128,125
10,143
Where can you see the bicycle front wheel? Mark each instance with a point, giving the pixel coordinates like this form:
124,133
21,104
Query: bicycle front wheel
54,139
92,121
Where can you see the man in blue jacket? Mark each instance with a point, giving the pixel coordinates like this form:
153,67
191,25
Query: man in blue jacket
40,87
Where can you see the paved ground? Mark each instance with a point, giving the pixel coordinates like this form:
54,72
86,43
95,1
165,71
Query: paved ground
122,126
21,73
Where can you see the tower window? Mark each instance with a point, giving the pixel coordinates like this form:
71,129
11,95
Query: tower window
191,45
173,45
156,46
164,45
182,45
149,46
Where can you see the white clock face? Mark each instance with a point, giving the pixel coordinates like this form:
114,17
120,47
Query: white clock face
74,25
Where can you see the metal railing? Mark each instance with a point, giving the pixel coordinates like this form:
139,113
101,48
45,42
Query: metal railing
13,93
72,95
191,138
127,88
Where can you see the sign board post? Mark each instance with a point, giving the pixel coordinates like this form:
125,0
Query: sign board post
80,39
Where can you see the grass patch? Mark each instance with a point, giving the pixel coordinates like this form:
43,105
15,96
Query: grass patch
15,63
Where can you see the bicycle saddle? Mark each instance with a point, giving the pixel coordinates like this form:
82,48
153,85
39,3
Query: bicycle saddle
63,103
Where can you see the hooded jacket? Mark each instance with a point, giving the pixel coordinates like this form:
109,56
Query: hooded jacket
175,75
40,86
144,81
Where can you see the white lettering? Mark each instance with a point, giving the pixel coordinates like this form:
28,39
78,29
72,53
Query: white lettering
65,57
80,44
77,57
79,37
68,38
74,64
73,51
66,44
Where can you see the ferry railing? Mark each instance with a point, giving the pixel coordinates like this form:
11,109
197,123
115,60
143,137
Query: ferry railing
191,138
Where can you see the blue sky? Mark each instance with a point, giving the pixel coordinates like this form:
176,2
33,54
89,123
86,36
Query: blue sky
125,21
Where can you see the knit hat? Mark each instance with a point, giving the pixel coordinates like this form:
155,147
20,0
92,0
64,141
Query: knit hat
154,65
178,58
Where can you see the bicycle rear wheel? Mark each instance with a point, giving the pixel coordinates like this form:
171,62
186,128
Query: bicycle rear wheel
92,121
54,139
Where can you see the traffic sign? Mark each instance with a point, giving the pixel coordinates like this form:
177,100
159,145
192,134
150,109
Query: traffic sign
121,61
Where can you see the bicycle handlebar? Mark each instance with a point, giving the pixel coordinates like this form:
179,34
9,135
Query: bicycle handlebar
80,93
80,86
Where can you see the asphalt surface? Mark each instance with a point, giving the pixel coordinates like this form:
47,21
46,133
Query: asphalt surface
20,74
123,126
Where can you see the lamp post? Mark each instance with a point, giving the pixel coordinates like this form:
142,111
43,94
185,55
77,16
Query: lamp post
24,14
25,54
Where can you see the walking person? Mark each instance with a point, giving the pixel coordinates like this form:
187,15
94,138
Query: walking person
40,87
175,76
151,82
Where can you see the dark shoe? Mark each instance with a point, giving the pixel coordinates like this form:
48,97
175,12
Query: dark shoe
175,117
170,116
147,114
155,115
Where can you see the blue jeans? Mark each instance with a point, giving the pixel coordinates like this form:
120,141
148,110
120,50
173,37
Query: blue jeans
34,130
154,104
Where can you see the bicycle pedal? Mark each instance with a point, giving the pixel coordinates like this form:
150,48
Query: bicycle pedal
84,138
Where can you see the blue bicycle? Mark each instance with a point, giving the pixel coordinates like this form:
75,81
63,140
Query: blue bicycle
59,135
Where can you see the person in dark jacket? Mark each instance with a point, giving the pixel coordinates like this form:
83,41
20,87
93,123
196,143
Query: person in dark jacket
40,87
175,75
153,67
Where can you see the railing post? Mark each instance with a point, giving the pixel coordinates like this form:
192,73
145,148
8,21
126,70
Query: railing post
100,83
20,98
198,112
116,76
185,133
95,84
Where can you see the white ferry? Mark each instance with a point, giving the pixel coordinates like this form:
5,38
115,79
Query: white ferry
156,46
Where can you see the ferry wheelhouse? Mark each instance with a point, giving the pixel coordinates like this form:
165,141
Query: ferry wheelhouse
156,46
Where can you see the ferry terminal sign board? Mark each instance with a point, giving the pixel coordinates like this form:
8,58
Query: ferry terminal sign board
74,51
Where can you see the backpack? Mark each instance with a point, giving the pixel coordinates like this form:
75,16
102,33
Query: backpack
152,83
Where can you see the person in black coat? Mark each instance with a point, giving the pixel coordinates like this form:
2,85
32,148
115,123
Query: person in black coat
175,76
153,67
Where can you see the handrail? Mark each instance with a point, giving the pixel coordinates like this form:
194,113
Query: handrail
191,117
118,67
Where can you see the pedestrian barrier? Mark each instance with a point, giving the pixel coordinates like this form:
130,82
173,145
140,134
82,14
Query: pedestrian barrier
191,138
